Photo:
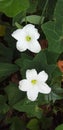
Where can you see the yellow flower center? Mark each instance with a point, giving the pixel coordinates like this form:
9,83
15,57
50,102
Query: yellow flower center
28,38
34,81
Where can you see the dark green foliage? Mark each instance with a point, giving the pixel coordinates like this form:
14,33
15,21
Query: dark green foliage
16,111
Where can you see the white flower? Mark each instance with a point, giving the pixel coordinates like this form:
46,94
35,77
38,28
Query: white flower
34,84
27,38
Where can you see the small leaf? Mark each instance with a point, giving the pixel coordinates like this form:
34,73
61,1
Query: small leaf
59,127
32,19
33,124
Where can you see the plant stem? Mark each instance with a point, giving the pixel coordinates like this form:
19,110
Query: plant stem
42,15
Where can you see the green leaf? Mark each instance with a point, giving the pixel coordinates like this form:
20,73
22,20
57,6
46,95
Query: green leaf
2,99
31,108
50,11
56,73
47,121
41,58
57,91
32,19
58,13
13,93
42,99
33,6
53,97
24,56
17,124
41,4
18,18
52,57
6,69
13,7
39,62
6,53
59,127
56,85
33,124
54,35
3,106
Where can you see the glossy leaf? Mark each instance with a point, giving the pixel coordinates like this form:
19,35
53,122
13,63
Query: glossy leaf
6,69
33,124
13,7
54,34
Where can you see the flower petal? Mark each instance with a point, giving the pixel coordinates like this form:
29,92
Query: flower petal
24,85
31,74
21,46
32,94
17,34
28,26
31,31
34,46
44,88
35,35
42,76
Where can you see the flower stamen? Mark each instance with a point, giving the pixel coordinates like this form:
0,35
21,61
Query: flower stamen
28,38
34,81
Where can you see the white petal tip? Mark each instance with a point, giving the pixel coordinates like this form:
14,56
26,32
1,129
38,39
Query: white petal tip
37,50
31,99
49,90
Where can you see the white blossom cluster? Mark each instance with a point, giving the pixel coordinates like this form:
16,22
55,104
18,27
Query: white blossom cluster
27,38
